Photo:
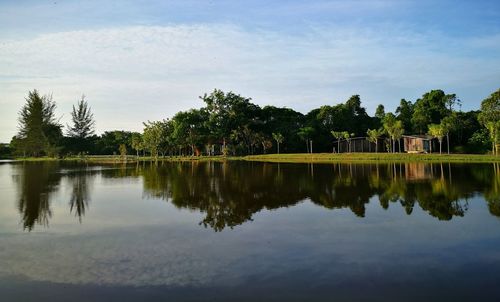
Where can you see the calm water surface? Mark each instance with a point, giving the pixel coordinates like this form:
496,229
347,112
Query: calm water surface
242,231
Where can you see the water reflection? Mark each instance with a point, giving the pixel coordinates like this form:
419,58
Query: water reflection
80,182
230,193
37,182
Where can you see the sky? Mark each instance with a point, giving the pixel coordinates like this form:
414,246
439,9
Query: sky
146,60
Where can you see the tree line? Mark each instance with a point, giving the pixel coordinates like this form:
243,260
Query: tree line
230,124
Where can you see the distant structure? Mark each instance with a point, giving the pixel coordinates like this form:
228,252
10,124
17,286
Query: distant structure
411,144
418,143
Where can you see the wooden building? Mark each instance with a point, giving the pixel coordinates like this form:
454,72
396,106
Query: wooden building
419,144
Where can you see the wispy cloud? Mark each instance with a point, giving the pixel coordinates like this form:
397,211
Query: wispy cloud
132,74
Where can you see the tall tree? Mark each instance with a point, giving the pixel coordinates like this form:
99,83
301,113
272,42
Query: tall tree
380,112
374,135
437,131
153,133
397,132
449,124
390,127
39,130
227,111
430,109
490,118
338,135
82,119
404,113
136,143
305,134
278,137
347,136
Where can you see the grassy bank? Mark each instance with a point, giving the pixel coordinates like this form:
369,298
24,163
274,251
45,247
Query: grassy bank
372,157
293,158
113,159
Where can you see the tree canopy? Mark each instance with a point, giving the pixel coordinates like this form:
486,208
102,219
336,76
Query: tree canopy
231,124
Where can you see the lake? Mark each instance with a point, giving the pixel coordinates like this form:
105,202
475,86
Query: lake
243,231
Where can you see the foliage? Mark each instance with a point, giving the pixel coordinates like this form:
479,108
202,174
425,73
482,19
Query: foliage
404,113
374,135
430,109
137,143
39,131
83,121
278,137
438,131
231,124
5,151
490,118
153,133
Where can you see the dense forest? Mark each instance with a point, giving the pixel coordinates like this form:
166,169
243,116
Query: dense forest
230,124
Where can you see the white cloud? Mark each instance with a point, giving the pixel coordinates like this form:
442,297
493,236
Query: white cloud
132,74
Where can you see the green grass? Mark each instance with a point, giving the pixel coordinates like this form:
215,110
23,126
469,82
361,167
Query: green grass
130,158
295,158
372,157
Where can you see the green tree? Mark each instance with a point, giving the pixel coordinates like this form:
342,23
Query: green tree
137,143
305,134
404,113
39,130
278,137
398,132
449,124
374,135
82,119
430,109
188,128
338,135
380,112
227,112
123,151
438,131
347,136
389,124
489,117
152,137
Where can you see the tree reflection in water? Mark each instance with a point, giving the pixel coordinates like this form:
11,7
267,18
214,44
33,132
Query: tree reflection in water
230,193
36,183
80,181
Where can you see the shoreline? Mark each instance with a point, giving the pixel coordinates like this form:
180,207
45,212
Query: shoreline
287,158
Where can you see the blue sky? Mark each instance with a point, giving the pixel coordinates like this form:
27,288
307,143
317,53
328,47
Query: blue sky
140,60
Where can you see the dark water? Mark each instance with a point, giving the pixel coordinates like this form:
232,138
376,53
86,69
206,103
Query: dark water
249,232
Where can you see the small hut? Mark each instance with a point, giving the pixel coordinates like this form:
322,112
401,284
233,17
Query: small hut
418,143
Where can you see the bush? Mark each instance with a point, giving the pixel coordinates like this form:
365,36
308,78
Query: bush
5,151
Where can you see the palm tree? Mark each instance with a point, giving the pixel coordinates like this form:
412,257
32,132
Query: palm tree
305,134
437,131
278,137
347,137
338,135
374,135
389,126
397,132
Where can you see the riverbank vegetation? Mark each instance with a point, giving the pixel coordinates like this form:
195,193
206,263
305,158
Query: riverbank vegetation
231,125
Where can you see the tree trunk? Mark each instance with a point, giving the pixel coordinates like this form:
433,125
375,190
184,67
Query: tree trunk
376,145
278,148
311,149
440,143
448,141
